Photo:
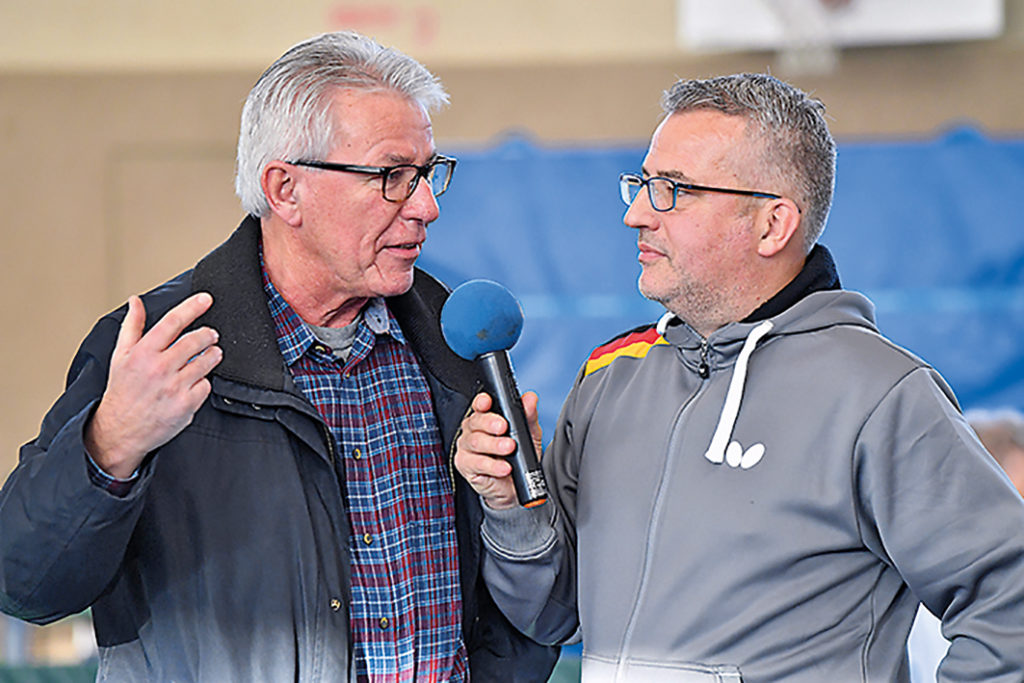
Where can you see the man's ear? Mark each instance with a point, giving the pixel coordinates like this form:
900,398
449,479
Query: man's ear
780,225
279,187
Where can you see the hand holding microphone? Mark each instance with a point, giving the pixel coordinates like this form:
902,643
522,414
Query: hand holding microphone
480,321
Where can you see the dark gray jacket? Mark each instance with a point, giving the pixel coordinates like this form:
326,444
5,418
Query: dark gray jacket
228,561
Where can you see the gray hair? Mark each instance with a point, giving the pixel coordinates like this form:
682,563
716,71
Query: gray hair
1000,430
288,114
796,146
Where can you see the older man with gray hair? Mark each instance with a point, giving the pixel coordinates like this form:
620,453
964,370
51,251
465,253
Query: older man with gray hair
759,486
247,476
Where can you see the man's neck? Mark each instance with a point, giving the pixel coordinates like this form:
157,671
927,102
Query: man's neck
310,296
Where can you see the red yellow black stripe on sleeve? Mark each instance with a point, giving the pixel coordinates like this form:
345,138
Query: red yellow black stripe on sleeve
633,345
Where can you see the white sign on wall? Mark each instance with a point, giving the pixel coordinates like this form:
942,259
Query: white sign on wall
722,25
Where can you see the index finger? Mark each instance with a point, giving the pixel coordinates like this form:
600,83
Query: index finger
483,417
167,330
130,332
482,402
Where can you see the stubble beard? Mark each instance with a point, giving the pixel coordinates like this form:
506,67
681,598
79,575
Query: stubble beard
697,304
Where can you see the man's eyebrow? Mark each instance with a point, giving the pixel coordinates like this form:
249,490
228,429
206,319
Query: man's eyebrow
398,159
670,174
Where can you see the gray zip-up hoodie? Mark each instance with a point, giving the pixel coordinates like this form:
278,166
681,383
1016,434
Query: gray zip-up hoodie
769,504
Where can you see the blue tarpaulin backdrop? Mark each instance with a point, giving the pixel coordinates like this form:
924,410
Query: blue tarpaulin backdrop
929,230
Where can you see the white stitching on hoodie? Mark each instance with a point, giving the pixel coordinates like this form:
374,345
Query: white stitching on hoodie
721,447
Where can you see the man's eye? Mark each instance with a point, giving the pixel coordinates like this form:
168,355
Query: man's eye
663,190
396,179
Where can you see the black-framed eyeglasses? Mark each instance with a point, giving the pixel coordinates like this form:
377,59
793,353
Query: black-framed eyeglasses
663,191
397,183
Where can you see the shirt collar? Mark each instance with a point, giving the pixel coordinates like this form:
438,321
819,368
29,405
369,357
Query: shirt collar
293,334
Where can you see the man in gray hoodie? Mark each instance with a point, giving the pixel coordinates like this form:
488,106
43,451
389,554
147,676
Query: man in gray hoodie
760,486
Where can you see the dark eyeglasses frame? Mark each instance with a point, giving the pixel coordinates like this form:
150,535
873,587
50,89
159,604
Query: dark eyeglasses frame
634,179
385,172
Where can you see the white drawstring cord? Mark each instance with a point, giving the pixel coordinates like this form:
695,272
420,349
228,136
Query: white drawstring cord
663,322
730,409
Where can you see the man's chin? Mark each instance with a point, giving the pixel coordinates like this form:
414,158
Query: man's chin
396,285
653,293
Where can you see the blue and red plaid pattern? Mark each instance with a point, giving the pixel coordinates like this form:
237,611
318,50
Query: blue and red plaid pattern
406,608
112,485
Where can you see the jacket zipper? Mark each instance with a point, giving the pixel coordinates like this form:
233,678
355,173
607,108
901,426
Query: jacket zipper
330,445
704,370
652,530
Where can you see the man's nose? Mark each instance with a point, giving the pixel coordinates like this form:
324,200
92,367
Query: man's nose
422,204
640,213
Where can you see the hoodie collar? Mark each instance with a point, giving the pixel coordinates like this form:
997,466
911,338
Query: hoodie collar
818,274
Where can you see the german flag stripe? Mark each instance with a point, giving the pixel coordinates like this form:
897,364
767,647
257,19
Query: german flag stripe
634,345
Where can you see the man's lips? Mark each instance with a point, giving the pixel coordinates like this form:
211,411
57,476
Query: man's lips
405,249
648,253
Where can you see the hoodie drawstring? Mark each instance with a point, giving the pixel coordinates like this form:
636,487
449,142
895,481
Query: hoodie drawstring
721,448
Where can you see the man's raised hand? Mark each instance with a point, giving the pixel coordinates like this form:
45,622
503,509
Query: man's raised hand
157,382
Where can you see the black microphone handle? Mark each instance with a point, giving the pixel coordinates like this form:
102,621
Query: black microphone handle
500,383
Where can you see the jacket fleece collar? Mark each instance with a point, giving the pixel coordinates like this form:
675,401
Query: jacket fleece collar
231,273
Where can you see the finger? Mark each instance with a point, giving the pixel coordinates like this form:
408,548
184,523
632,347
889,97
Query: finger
197,393
131,327
485,466
479,442
486,423
474,465
201,365
190,345
482,402
530,401
530,405
173,323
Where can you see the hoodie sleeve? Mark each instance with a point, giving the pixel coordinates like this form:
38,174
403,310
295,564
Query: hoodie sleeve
530,563
935,505
63,535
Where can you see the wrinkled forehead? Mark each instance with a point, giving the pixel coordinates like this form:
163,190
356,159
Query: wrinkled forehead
389,126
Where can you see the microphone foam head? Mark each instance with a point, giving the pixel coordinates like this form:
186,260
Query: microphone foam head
480,317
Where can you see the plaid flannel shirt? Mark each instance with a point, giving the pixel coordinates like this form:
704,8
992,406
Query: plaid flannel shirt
406,607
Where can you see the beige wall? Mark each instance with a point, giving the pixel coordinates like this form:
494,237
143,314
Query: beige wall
117,138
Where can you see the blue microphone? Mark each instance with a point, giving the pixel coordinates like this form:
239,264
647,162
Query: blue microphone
481,321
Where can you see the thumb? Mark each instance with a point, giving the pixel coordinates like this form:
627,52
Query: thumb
132,326
530,401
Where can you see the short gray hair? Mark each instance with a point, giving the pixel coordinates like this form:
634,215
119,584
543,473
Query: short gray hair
288,114
999,430
796,146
